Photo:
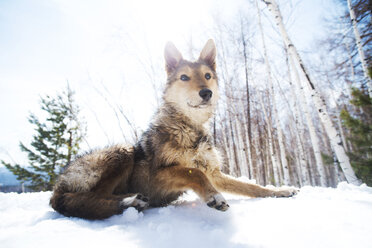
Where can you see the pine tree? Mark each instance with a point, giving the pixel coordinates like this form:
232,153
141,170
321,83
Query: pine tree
359,125
55,143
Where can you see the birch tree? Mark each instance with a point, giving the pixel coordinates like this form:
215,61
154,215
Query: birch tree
248,127
358,41
272,94
299,134
334,136
270,140
313,136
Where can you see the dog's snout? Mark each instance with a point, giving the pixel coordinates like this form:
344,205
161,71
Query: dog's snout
206,94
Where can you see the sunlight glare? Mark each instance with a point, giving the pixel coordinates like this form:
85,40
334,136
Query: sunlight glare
171,20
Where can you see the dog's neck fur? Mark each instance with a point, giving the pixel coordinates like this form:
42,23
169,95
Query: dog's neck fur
169,116
172,128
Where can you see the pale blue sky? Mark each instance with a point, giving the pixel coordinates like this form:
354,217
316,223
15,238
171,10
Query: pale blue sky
91,43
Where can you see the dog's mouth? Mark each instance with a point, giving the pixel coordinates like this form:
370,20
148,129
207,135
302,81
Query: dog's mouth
200,105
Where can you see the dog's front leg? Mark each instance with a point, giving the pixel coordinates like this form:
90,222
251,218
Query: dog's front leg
170,180
231,185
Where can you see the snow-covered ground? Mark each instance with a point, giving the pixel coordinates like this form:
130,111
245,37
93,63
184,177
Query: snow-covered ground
316,217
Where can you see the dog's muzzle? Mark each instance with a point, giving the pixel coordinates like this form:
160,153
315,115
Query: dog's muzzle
205,94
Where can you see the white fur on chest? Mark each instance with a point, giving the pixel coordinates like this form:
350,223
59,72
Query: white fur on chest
205,157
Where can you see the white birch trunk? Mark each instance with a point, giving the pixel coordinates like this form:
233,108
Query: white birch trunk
302,165
352,70
328,150
325,140
232,163
247,114
303,175
280,169
343,138
269,169
233,146
247,141
283,157
319,103
274,161
295,171
260,166
239,140
226,143
259,161
358,41
272,95
313,136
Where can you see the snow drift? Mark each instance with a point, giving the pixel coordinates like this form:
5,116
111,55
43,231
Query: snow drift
316,217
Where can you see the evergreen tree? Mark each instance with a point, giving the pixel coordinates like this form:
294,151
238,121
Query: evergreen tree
359,124
55,143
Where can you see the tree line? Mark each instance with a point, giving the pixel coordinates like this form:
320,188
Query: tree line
309,143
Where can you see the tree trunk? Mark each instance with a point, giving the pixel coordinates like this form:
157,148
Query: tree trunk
299,133
272,96
358,41
313,136
261,170
243,167
270,142
226,144
247,145
248,115
352,70
236,169
319,103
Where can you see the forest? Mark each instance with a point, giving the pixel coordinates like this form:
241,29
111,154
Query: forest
295,121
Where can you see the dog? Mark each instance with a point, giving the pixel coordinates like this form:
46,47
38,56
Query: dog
175,154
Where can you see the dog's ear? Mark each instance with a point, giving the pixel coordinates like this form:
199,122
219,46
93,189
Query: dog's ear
208,54
172,57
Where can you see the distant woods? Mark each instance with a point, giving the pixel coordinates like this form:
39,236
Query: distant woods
279,121
295,134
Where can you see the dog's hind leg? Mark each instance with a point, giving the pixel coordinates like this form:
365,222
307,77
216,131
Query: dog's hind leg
109,196
90,205
228,184
116,169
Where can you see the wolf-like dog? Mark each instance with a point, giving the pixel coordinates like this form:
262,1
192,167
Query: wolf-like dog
175,154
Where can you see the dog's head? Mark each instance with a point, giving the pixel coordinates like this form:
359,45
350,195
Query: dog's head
192,86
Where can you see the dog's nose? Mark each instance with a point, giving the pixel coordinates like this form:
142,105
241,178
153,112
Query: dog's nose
206,94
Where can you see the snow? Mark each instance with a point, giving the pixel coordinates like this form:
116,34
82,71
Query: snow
316,217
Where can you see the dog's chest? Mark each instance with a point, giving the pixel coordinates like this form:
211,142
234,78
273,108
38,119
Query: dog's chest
184,145
200,154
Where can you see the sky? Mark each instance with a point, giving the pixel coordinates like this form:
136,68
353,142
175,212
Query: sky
106,51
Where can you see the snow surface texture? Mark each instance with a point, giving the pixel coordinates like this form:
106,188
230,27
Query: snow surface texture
316,217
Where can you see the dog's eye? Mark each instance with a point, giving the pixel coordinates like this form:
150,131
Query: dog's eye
184,77
207,76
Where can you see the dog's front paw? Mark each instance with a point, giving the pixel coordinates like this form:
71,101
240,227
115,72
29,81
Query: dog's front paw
218,202
286,192
138,201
